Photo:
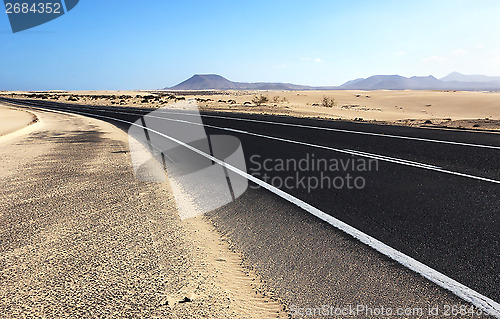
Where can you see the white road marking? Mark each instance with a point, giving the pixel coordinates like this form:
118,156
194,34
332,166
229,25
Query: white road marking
345,151
341,130
337,130
482,302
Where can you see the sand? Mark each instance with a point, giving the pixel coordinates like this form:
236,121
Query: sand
455,109
81,237
12,120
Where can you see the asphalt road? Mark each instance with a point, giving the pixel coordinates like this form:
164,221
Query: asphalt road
441,209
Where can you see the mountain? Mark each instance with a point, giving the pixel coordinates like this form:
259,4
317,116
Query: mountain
453,81
217,82
459,77
393,82
204,82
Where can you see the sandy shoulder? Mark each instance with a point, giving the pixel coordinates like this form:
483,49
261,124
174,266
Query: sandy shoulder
81,237
12,120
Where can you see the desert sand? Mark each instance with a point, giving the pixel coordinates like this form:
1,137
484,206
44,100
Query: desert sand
456,109
12,120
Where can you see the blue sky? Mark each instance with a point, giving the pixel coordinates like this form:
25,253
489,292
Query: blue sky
132,44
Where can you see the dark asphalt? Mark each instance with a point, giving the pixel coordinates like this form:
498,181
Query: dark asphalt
448,222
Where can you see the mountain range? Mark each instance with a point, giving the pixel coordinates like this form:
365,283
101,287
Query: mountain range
453,81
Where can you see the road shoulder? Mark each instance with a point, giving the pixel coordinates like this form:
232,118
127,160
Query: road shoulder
81,237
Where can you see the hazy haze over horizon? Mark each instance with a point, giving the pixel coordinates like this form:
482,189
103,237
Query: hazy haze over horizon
133,45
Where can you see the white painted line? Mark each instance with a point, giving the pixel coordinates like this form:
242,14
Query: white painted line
341,130
345,151
336,130
482,302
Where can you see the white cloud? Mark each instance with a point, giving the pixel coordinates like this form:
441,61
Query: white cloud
435,59
316,60
401,53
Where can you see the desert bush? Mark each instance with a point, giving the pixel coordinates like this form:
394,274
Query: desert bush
276,99
328,101
258,100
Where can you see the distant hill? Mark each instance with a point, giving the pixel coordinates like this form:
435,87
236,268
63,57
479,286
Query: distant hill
459,77
453,81
392,82
217,82
204,82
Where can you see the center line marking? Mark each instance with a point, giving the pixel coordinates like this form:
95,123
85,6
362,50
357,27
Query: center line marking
340,130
